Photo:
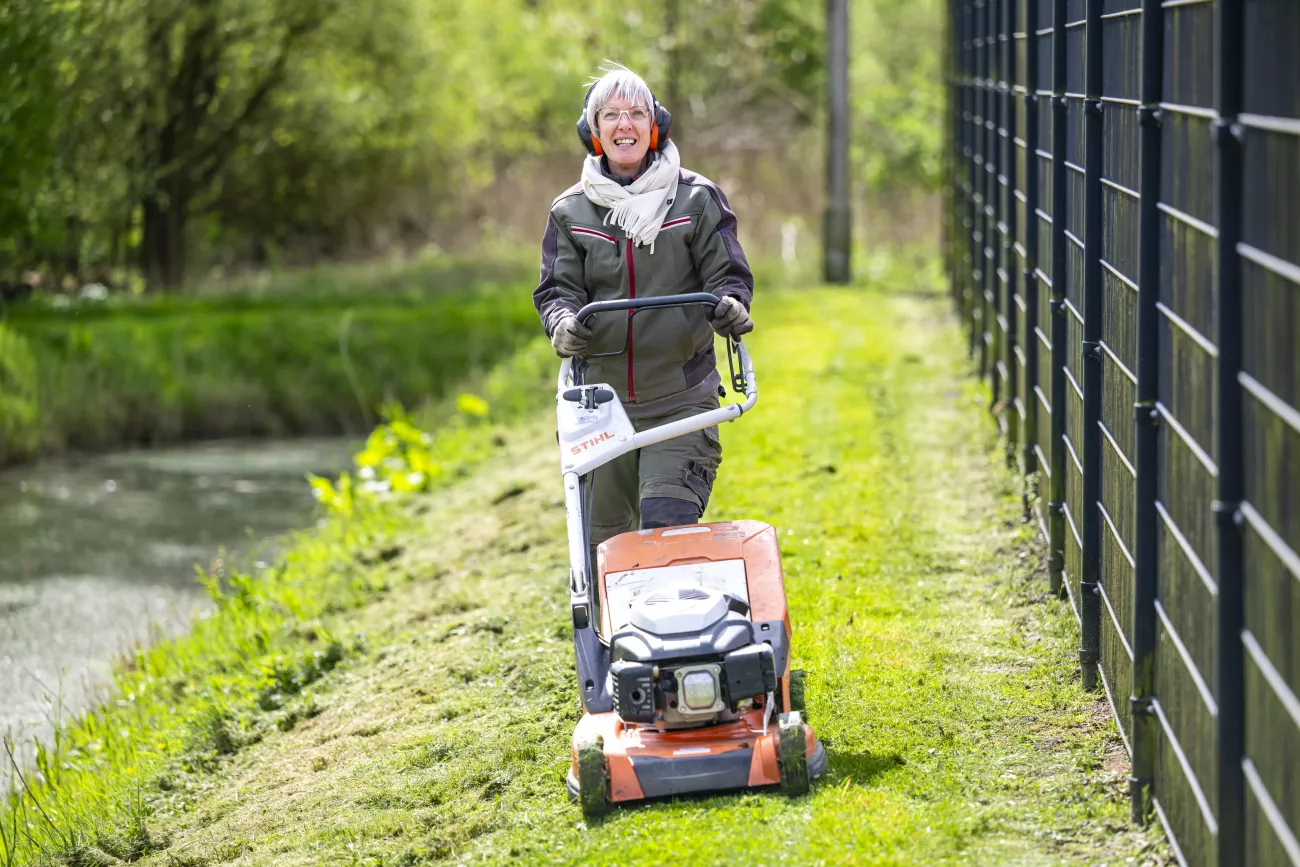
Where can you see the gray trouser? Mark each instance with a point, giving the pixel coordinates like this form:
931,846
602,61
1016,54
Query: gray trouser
663,485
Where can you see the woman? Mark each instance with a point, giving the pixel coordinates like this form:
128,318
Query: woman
639,225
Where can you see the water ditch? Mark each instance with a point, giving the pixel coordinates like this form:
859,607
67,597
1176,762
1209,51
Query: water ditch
98,554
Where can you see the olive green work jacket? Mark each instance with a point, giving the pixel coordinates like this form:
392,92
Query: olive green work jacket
669,362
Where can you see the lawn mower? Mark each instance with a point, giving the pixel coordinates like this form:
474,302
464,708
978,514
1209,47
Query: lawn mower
683,636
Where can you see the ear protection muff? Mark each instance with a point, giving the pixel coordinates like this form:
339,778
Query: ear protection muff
660,129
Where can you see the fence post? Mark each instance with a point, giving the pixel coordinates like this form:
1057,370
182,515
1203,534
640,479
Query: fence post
1056,505
970,150
988,147
1145,578
1089,591
975,128
961,24
949,139
1227,133
960,161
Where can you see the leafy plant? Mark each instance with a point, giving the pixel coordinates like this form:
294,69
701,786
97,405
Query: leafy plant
398,459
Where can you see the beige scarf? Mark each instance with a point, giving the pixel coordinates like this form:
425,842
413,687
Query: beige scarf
639,208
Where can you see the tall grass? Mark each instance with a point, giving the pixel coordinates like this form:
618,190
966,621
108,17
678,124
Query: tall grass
314,354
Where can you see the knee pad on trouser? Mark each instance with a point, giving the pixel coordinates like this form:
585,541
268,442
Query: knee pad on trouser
668,512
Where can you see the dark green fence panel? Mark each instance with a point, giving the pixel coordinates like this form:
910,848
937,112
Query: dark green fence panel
1121,90
1057,525
1040,347
987,162
1024,246
1124,247
1186,706
1070,281
1270,381
1004,381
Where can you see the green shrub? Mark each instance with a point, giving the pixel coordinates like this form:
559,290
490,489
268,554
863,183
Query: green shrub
18,408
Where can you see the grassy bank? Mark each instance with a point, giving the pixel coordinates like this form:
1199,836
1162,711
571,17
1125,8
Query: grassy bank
400,690
311,353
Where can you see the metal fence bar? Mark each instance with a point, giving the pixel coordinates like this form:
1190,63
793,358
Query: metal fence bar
1056,501
1089,595
1146,418
1230,721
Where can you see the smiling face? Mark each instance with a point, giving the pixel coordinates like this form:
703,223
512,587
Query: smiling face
625,139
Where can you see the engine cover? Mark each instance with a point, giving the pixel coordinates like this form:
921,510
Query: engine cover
678,610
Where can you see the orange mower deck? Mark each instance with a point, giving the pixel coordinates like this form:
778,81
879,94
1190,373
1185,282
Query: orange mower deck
637,760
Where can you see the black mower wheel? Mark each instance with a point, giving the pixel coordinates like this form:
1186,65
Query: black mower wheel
797,692
593,778
792,754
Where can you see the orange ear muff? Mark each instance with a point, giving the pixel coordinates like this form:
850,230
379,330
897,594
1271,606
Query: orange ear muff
662,128
596,148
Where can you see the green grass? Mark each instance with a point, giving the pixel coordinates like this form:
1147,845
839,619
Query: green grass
942,678
316,353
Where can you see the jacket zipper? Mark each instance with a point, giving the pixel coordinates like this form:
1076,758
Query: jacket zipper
631,282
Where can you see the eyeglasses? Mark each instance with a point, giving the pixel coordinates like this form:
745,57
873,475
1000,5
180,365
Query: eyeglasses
612,115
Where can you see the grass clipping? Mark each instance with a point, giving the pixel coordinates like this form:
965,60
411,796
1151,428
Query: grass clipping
941,678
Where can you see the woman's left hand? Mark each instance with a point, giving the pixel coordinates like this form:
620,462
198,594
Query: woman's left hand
731,319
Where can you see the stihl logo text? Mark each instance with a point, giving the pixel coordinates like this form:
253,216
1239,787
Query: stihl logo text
586,444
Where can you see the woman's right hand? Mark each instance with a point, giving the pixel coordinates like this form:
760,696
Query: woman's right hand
570,337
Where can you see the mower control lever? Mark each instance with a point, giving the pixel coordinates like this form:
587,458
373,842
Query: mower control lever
590,398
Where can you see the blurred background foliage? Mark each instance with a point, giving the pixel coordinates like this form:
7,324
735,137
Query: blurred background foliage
160,142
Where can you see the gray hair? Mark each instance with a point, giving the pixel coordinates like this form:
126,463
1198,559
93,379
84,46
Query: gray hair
618,81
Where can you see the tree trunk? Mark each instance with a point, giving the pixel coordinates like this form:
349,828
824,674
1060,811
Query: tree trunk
162,249
673,92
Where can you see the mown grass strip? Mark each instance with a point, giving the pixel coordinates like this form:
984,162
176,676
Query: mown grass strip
941,678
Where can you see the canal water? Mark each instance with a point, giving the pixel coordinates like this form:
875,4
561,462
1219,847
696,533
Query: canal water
98,554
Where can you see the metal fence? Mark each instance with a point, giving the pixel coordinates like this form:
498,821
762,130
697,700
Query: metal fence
1123,242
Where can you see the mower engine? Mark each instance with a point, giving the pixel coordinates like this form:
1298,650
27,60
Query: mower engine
689,656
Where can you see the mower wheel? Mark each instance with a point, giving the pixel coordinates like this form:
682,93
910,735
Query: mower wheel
796,692
593,777
792,754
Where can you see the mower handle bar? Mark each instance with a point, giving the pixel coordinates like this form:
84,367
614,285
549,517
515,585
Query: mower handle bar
681,300
686,298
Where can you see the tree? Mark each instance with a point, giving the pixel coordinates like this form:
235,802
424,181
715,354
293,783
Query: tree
27,115
178,134
210,68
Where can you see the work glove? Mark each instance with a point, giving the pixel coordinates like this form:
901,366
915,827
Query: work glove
731,319
570,337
